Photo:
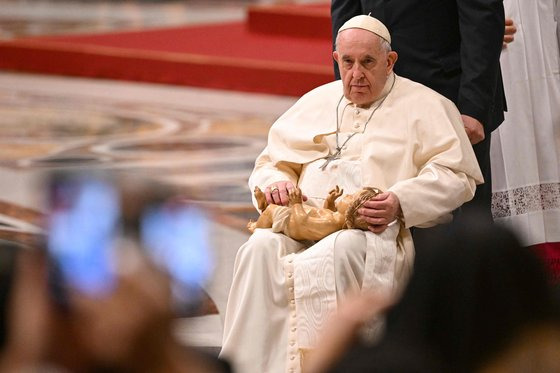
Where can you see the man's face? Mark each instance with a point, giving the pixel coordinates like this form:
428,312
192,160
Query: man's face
364,65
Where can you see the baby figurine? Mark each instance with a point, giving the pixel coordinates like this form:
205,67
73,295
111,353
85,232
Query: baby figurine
304,222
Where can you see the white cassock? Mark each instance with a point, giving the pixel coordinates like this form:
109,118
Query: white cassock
283,290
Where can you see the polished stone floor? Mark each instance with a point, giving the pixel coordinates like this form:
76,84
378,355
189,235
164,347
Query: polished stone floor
203,141
20,18
40,17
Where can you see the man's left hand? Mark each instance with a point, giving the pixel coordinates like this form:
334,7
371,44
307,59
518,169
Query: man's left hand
381,210
474,129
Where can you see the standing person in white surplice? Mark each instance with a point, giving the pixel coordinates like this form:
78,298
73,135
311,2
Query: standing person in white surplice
526,148
372,129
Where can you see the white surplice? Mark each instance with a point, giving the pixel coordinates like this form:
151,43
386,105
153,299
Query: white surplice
525,149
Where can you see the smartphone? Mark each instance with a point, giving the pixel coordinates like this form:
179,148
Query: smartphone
82,228
175,236
86,221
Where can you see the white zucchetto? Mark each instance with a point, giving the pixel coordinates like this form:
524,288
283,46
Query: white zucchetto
367,23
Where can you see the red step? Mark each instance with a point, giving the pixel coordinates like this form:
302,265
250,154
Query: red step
229,56
313,20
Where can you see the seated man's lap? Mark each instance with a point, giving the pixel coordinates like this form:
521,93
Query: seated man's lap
265,242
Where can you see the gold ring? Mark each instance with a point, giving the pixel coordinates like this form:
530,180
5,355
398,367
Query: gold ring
273,189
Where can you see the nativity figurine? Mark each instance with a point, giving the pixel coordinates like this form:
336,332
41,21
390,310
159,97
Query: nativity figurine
303,222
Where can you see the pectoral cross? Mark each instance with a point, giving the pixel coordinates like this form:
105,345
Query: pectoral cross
331,157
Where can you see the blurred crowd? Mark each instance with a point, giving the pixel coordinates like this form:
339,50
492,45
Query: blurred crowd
477,302
103,290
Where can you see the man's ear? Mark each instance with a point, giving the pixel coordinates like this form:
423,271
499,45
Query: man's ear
392,57
335,55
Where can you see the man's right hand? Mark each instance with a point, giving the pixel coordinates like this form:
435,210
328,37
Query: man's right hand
277,193
509,31
473,128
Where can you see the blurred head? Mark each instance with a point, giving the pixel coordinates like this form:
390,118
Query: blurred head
473,290
365,61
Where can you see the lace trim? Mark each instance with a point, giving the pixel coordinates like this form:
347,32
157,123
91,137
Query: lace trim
527,199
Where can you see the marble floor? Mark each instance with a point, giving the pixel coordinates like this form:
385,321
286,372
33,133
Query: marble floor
20,18
204,141
40,17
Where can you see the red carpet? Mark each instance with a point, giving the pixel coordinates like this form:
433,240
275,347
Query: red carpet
246,57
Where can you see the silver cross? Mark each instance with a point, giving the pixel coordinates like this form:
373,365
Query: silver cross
331,157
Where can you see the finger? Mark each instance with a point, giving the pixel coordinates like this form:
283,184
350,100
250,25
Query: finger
268,195
480,136
375,205
283,196
376,216
476,138
366,212
276,197
508,38
471,135
272,195
380,197
376,221
372,213
510,30
269,199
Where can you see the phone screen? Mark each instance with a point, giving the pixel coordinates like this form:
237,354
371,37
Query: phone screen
82,229
84,226
175,236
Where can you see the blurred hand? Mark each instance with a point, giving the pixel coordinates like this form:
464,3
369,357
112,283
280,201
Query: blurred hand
135,316
509,31
474,129
277,193
28,315
379,211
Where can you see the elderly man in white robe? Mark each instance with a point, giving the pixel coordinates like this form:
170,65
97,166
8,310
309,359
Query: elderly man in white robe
374,129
